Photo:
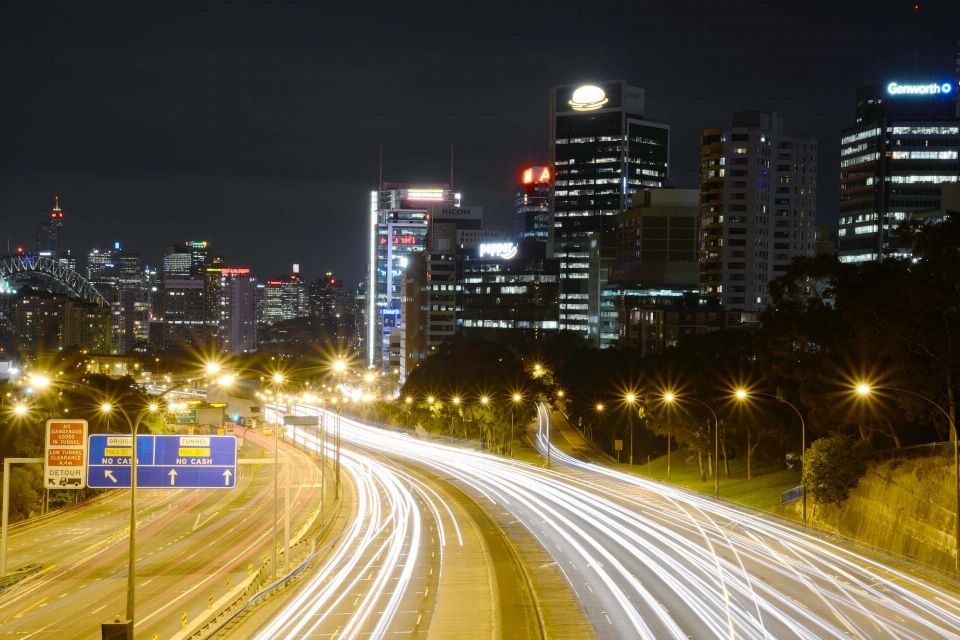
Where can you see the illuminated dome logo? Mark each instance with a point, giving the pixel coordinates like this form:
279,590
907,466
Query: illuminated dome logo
588,98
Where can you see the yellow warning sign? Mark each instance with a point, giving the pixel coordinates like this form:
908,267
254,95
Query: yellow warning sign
199,453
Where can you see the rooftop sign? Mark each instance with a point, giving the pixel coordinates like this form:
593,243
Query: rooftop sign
587,98
536,174
502,250
895,89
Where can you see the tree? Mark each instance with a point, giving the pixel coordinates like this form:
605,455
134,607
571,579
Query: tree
833,466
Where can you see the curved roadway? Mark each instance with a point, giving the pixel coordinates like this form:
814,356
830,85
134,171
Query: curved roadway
649,561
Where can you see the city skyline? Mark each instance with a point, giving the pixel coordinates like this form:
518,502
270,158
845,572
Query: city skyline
224,130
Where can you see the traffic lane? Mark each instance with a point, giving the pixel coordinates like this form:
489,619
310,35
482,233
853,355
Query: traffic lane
513,597
360,589
59,601
828,587
54,540
225,547
103,573
732,599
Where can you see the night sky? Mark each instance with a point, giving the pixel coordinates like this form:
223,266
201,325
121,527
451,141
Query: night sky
256,126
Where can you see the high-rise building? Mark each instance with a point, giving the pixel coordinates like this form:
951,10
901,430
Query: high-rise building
602,150
284,298
531,212
757,208
893,161
188,259
184,310
238,311
98,271
326,298
398,227
129,270
49,235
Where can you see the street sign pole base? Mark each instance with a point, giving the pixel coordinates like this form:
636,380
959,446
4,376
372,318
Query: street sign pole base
117,630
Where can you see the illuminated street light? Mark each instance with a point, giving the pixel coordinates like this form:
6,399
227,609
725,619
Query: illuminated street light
670,397
20,409
516,399
743,394
631,400
212,368
40,382
865,389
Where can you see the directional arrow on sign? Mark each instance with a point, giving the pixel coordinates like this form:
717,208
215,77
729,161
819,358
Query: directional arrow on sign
226,477
109,475
173,475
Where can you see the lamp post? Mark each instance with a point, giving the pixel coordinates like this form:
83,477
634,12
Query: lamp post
599,408
865,389
669,397
743,394
631,400
456,403
484,401
107,408
278,380
559,395
516,400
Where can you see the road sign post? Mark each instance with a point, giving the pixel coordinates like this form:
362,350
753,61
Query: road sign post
65,454
6,505
163,462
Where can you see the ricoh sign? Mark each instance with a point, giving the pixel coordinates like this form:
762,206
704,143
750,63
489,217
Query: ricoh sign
933,89
450,212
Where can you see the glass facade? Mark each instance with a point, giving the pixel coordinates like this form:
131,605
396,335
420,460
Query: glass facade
893,162
601,153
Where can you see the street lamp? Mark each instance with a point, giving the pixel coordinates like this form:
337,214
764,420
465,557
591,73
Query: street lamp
456,403
599,408
516,400
865,390
670,397
107,408
630,399
743,394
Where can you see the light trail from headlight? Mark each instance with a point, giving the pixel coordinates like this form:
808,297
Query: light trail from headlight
664,562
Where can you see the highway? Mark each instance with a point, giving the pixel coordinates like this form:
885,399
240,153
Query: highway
650,561
188,542
417,559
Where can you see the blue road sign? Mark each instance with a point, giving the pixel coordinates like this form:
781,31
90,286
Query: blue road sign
163,462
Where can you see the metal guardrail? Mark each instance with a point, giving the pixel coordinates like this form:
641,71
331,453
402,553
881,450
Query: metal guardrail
213,625
929,450
792,494
22,573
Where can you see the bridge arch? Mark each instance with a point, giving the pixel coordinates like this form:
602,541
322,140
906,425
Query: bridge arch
76,283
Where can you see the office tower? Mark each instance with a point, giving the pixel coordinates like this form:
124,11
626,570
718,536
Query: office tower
602,150
211,294
98,273
284,299
49,234
903,146
184,310
188,259
177,261
130,302
509,291
531,213
129,269
238,311
398,227
326,298
757,208
652,294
